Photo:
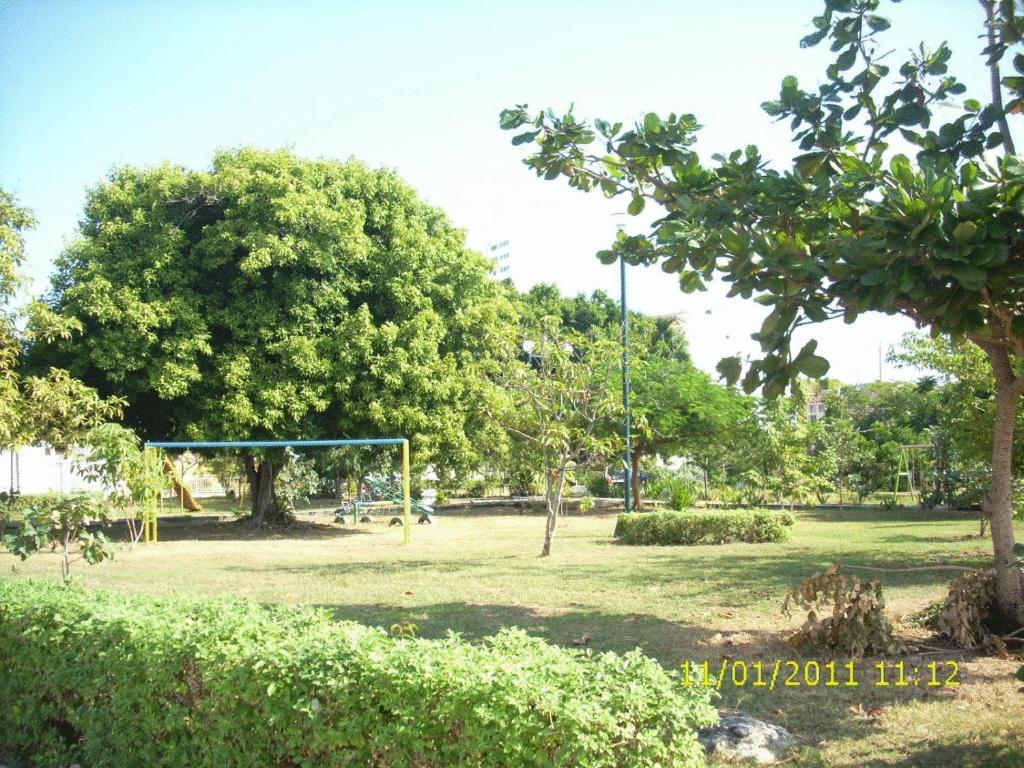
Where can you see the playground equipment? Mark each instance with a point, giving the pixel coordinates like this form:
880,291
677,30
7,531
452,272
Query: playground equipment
908,467
184,495
406,503
384,492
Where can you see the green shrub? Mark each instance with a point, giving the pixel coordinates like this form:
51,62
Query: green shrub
599,485
103,679
703,527
677,492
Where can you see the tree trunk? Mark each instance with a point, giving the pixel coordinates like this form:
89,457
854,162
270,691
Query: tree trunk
264,507
998,503
554,486
704,468
634,462
337,487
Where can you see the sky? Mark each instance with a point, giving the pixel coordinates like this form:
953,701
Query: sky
417,87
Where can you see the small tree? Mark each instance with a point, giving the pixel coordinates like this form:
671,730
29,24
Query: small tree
561,400
132,477
851,226
63,522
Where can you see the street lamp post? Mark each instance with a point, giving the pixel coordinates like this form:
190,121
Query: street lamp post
628,458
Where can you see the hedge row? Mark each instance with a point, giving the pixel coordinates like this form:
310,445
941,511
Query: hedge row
102,679
704,527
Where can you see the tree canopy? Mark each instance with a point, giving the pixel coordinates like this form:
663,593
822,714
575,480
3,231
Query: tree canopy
274,296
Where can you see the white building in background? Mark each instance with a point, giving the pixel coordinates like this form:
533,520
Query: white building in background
500,254
40,469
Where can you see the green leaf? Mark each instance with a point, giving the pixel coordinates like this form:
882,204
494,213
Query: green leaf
524,138
636,205
972,105
729,368
874,277
512,118
652,123
877,23
812,366
1018,549
814,38
912,114
810,164
772,108
964,231
970,277
846,59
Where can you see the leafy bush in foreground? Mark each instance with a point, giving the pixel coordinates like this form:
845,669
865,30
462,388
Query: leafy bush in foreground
109,680
703,527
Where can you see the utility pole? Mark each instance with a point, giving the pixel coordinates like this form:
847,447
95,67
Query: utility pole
627,477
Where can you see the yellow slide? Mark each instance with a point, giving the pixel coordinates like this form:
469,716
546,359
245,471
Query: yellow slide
184,494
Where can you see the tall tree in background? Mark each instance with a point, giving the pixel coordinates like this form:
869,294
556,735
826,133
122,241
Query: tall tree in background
278,297
52,407
678,410
851,226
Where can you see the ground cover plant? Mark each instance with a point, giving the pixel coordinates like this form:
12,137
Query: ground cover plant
478,573
715,526
132,681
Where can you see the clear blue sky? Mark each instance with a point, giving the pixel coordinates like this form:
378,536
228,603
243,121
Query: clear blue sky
86,86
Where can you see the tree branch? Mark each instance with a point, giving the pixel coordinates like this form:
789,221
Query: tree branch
994,77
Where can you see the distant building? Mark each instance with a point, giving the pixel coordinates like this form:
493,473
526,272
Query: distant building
500,255
816,407
40,469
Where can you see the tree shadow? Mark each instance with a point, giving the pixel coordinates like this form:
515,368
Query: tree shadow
577,628
209,528
983,753
881,515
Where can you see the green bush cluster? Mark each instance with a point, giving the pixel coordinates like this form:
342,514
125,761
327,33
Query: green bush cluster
103,679
703,527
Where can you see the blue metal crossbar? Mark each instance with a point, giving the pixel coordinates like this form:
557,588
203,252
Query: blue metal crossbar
278,443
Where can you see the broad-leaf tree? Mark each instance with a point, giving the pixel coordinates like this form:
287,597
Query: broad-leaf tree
851,224
678,410
562,397
52,407
278,297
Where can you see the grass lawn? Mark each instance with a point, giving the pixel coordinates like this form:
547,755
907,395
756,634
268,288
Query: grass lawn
476,573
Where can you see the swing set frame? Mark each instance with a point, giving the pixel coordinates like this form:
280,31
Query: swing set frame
150,519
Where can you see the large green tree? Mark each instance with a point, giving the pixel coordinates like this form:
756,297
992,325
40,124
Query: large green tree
277,297
849,225
52,407
678,411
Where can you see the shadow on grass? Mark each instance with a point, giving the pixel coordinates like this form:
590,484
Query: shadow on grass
576,628
991,753
879,515
184,529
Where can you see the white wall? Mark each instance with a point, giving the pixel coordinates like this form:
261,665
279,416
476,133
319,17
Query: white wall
41,470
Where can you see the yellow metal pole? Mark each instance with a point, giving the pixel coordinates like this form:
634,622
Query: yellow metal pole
406,516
